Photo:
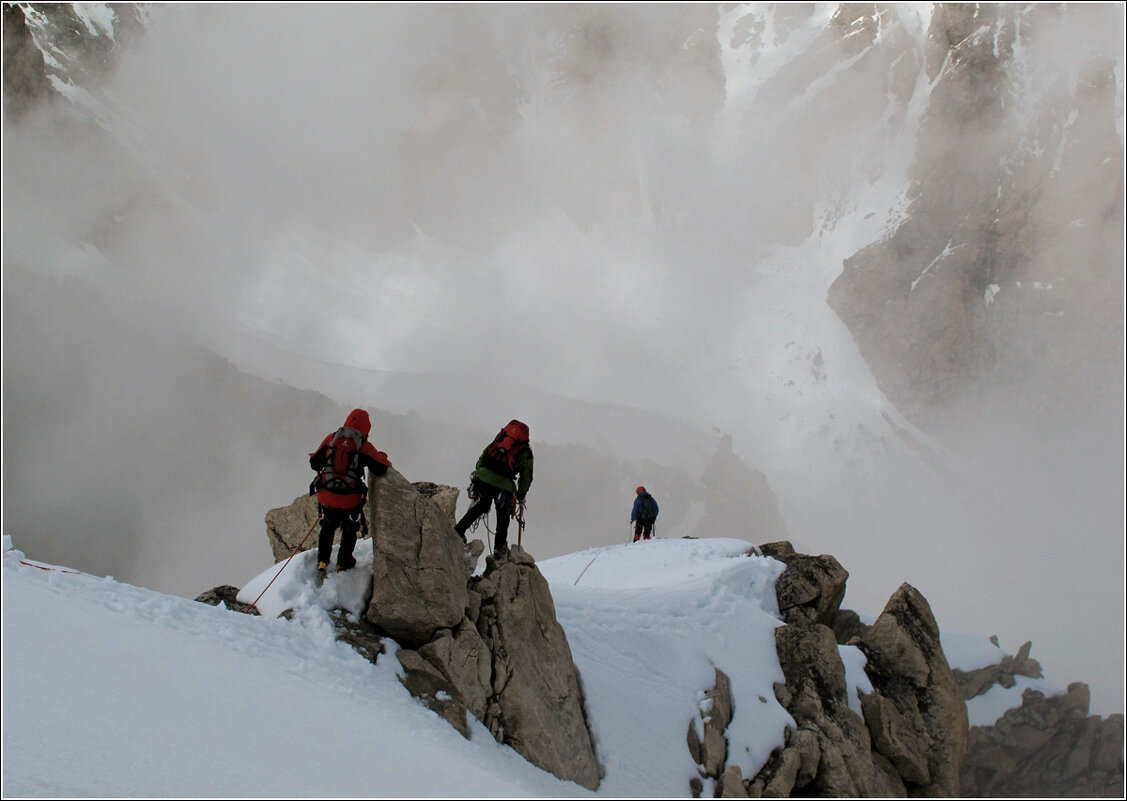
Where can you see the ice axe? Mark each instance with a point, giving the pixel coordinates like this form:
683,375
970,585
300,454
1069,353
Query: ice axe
519,515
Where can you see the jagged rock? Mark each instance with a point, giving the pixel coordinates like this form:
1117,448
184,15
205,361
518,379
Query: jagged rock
847,625
472,554
443,495
228,596
780,548
830,752
901,747
1046,747
418,567
463,658
976,682
711,750
427,683
922,720
811,589
360,634
539,705
732,783
289,527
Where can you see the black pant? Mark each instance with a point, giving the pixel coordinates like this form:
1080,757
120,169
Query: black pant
488,494
643,530
349,522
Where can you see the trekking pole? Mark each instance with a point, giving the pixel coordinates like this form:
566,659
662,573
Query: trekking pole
520,522
292,555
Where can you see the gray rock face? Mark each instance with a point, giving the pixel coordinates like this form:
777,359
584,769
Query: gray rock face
419,569
536,703
289,527
1047,747
919,717
710,751
983,289
25,71
830,753
811,589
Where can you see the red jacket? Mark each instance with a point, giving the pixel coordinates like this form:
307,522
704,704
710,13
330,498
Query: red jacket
376,461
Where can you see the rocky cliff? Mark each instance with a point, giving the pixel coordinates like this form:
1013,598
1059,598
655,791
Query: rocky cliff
1007,262
909,735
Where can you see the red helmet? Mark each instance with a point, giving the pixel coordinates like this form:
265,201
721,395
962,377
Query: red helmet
640,490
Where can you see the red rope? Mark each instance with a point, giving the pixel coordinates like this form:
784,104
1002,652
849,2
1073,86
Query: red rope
292,555
52,569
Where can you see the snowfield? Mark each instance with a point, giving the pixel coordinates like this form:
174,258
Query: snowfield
115,690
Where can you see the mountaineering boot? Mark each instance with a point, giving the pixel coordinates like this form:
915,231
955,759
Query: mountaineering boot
346,566
322,568
501,552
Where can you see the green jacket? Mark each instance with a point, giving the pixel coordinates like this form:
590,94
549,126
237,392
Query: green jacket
495,479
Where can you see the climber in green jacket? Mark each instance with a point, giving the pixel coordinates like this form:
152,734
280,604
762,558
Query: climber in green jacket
502,477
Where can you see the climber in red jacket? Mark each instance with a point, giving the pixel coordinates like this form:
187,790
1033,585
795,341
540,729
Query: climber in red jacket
340,460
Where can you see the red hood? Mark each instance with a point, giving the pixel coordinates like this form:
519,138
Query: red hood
358,419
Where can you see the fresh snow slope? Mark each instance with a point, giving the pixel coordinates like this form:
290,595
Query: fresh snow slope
114,690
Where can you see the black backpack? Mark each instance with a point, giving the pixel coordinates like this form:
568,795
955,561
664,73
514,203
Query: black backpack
648,512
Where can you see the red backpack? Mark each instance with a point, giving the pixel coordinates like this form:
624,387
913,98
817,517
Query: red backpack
342,473
501,454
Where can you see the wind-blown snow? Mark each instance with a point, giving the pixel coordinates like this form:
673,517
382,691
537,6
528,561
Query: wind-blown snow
115,690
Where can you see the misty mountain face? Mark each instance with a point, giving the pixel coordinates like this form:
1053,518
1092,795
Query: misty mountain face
1004,277
639,212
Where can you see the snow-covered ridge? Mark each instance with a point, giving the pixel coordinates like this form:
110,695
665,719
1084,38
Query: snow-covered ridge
119,676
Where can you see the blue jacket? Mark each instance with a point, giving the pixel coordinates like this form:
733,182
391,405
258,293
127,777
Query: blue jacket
638,506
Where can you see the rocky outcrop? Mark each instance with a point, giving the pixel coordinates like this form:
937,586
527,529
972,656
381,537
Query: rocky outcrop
289,528
508,663
1046,747
912,737
536,701
973,683
707,742
226,595
486,646
811,589
830,752
419,571
916,713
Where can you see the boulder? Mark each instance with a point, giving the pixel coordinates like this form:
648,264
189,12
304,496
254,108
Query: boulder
829,754
291,527
419,567
920,722
811,589
536,703
228,596
710,750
